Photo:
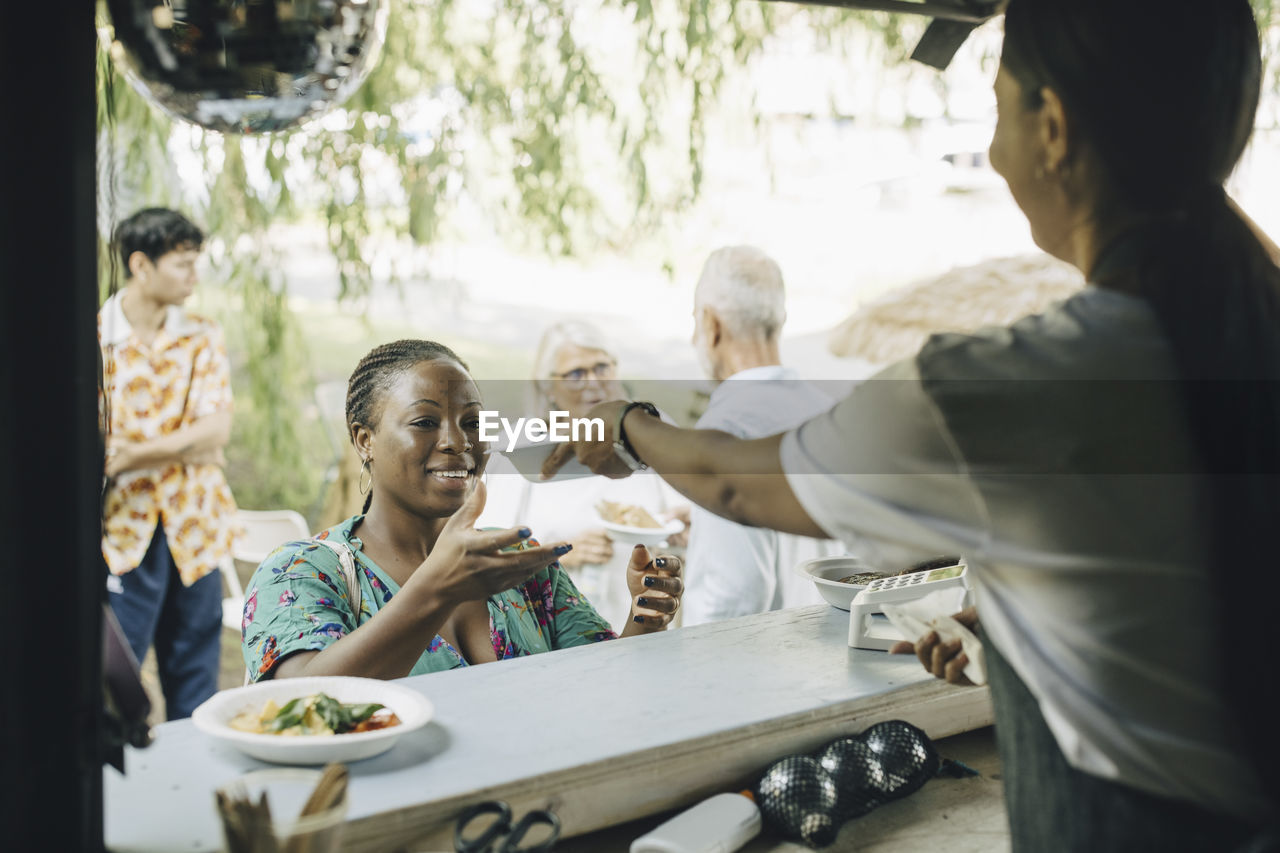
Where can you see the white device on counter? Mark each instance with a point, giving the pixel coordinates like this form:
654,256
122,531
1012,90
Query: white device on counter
719,824
869,628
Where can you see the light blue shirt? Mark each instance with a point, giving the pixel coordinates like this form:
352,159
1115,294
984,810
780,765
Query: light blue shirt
734,570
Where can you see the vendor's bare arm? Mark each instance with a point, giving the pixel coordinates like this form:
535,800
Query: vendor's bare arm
739,479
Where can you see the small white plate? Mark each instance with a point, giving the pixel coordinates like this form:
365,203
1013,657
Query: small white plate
825,572
528,459
643,535
212,717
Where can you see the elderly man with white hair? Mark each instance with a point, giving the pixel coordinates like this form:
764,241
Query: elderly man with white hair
739,310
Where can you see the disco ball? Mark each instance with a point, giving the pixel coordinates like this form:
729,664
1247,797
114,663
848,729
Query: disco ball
247,66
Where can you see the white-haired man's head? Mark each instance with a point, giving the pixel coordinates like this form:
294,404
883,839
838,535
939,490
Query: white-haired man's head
739,303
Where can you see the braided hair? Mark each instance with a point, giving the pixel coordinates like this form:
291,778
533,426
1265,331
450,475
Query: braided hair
377,371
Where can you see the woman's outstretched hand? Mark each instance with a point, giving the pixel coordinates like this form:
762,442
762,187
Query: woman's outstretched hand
656,586
944,660
469,565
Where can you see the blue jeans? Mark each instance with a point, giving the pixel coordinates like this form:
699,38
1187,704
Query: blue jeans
1054,807
183,622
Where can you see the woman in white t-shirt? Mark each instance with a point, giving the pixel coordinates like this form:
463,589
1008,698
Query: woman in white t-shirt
574,370
1110,468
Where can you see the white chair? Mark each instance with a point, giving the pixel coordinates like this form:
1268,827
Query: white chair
264,530
331,408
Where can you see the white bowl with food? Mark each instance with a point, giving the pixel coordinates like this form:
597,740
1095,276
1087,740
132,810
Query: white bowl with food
839,579
314,720
635,525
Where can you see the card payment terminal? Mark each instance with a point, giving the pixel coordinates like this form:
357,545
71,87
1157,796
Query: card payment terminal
869,628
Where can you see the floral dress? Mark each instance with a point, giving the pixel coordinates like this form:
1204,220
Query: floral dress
297,601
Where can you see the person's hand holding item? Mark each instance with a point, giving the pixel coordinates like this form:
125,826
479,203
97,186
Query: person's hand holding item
596,454
656,586
944,660
591,547
469,565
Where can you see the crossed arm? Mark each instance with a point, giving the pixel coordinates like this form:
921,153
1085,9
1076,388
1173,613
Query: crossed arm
200,443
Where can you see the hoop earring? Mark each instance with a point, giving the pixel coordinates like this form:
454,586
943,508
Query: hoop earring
360,483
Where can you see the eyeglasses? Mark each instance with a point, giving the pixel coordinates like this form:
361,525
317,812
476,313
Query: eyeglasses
578,376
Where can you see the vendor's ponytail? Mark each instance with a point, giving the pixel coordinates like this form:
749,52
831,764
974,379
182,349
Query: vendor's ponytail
1216,292
1168,108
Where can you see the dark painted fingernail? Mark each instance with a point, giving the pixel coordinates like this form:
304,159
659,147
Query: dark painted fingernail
637,548
525,532
661,562
638,619
563,549
642,601
649,581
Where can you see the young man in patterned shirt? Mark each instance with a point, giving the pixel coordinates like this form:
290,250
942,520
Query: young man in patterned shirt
169,514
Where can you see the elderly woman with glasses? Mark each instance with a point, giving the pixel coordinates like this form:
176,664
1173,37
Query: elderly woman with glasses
574,370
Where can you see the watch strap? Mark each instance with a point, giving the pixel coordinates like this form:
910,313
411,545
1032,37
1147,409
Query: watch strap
621,445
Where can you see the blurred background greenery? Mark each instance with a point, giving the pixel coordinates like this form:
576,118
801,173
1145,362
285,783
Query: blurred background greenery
571,127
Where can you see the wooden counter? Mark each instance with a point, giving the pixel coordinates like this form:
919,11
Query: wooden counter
601,735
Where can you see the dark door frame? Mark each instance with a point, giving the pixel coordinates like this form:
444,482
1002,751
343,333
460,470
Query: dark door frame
50,675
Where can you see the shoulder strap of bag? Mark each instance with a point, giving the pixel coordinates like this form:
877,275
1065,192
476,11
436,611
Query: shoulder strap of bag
348,563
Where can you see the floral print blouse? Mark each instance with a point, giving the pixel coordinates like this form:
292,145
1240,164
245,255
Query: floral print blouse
297,601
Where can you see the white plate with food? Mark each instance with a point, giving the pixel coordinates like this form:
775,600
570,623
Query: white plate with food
528,459
313,720
635,525
840,579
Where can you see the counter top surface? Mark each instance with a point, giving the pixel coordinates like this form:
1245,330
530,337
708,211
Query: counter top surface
603,734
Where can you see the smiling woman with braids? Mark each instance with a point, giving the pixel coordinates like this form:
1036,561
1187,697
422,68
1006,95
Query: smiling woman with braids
1109,467
435,593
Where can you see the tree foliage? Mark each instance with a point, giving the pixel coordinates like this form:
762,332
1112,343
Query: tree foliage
573,124
511,105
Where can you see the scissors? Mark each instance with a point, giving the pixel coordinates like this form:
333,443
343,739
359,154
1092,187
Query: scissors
498,835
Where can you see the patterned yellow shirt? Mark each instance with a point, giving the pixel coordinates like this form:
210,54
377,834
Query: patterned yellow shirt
153,390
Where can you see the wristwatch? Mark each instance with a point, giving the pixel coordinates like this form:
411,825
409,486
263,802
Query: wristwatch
621,446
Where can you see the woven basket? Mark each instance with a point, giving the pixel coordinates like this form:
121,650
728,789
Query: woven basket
992,293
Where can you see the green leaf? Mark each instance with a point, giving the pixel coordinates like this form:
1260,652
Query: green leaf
287,717
330,710
355,714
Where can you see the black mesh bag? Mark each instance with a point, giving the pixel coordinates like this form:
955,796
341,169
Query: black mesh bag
808,798
861,783
907,755
798,800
